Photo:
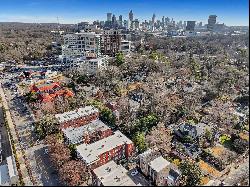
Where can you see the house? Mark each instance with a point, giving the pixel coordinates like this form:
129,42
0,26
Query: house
78,117
83,134
8,173
48,91
46,87
111,174
160,171
115,147
194,131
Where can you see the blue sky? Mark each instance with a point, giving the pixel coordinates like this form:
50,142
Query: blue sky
230,12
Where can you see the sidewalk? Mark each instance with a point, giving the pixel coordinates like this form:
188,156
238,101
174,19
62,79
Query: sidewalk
16,148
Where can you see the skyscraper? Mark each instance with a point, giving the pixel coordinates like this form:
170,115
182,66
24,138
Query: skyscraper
163,21
153,18
153,23
131,16
211,22
109,16
167,20
114,22
190,25
120,21
136,24
185,24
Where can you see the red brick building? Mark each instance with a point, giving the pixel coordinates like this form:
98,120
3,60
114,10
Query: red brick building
77,118
110,42
114,147
89,133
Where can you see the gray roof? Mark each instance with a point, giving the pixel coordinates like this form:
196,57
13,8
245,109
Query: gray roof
75,135
112,174
75,114
159,163
90,152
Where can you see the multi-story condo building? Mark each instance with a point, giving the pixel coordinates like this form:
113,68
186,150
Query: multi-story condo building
77,118
110,42
81,44
114,147
89,133
89,66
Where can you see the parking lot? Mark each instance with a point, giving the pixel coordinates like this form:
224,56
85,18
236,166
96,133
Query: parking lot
48,175
5,149
37,161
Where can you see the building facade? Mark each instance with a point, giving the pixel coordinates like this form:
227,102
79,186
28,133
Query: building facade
110,42
95,130
114,147
88,66
77,118
82,44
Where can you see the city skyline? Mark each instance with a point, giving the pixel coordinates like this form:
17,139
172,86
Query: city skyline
230,12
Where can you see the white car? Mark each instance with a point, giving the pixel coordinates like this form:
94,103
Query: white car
46,151
133,173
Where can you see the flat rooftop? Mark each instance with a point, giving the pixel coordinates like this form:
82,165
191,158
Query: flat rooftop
90,152
159,163
75,135
75,114
112,174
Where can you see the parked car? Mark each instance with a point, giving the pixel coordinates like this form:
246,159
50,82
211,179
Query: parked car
134,173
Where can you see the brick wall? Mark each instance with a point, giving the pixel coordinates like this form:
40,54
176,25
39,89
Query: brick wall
80,121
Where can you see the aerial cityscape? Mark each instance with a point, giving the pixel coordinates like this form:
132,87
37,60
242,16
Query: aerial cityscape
128,93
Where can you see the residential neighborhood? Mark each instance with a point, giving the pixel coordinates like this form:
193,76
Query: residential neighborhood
124,103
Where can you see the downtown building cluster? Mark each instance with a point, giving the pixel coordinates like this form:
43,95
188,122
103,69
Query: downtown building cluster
165,25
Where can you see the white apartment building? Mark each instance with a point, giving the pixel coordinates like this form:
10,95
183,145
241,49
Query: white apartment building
83,44
89,66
